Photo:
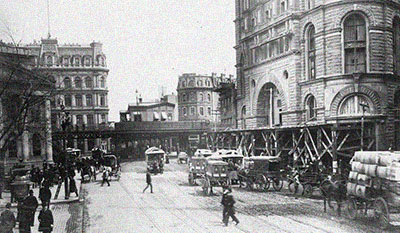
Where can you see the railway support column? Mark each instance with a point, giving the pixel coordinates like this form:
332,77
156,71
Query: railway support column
334,150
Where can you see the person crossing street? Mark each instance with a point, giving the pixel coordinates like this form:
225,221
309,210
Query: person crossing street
106,175
148,181
228,208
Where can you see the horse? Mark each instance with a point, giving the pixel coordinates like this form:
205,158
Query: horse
333,189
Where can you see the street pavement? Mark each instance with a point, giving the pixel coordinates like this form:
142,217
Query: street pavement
176,206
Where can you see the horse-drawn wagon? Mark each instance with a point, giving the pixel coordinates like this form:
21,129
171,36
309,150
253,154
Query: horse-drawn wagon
216,175
155,160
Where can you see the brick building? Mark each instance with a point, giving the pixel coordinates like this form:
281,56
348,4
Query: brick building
196,98
81,73
307,68
226,90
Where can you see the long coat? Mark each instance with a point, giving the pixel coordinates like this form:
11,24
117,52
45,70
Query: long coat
46,221
45,194
31,204
7,221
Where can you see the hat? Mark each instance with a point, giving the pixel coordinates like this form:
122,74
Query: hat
226,191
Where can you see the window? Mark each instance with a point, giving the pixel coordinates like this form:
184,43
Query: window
209,111
287,44
281,46
184,111
283,7
90,120
184,98
209,97
355,105
192,112
102,82
102,100
193,96
310,4
76,61
79,119
68,101
201,111
89,82
78,100
191,83
103,118
78,82
87,61
396,45
311,53
89,101
66,61
49,60
67,82
310,108
355,44
201,97
12,146
183,84
199,83
285,74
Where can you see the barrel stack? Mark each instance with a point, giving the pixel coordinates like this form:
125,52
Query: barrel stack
375,173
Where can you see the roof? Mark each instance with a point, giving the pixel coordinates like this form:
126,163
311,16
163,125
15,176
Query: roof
264,158
217,163
154,150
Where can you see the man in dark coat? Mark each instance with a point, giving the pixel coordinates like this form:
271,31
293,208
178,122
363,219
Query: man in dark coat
148,181
106,175
72,186
31,204
228,210
45,220
45,195
7,220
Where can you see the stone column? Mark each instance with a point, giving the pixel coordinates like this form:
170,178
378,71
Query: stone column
85,146
49,140
25,146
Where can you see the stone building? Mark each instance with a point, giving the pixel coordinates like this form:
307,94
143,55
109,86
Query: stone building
81,73
25,110
196,98
226,90
321,63
164,109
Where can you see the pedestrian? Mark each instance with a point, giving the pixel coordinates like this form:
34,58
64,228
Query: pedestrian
105,176
31,205
148,181
45,195
228,208
7,220
72,186
23,218
46,220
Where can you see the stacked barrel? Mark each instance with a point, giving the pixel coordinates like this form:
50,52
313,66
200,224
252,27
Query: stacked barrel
375,173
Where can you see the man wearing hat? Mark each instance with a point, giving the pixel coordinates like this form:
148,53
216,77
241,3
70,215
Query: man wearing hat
7,220
228,210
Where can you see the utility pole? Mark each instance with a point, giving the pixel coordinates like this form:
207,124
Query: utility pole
364,106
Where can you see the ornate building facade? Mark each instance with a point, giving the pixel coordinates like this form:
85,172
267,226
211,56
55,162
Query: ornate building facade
196,97
81,73
320,63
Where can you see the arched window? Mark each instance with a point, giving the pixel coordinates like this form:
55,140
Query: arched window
89,100
102,82
209,110
253,84
184,98
209,97
311,52
311,104
192,111
192,97
201,97
68,101
201,110
49,60
78,100
78,82
356,104
89,82
102,100
285,74
191,83
77,61
184,111
67,82
355,43
87,61
199,83
396,45
183,84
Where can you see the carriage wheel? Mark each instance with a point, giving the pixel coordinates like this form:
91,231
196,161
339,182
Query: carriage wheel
381,212
291,187
267,184
191,179
308,190
261,182
352,208
277,183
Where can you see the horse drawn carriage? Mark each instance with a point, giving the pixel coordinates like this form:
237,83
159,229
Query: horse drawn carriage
258,172
374,184
155,160
216,175
111,163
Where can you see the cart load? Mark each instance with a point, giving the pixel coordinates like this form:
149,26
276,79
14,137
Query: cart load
155,160
196,169
203,153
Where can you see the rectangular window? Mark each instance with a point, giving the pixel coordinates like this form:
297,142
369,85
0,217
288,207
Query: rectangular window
355,60
68,101
89,101
283,8
201,111
281,46
102,100
78,100
79,119
90,120
209,110
192,111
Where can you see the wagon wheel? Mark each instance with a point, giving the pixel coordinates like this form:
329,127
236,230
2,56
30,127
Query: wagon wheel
277,183
352,208
191,179
381,212
261,182
308,190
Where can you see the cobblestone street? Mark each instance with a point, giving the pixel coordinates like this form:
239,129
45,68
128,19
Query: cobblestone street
177,207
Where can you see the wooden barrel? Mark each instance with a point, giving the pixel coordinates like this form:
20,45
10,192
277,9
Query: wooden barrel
385,160
370,170
353,176
357,167
382,172
361,191
363,180
394,171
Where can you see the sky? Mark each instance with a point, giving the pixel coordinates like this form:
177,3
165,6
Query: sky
148,43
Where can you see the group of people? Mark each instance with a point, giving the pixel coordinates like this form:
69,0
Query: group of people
26,214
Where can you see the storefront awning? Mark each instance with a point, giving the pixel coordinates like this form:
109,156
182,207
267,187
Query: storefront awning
156,116
164,116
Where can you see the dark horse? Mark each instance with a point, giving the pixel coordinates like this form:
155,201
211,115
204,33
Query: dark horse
334,188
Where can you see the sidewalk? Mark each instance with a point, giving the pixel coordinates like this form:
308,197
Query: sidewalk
60,200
